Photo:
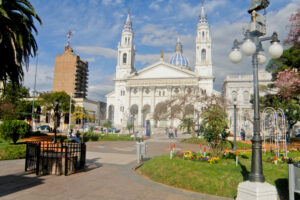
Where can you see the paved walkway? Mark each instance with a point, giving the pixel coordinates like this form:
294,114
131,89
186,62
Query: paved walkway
109,176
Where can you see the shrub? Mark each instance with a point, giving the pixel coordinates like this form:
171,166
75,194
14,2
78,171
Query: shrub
14,130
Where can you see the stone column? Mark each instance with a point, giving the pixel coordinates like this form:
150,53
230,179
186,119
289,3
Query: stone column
140,106
127,110
152,121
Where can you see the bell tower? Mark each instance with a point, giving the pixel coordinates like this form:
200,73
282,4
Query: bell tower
126,51
203,65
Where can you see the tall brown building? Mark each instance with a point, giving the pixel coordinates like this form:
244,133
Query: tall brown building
70,74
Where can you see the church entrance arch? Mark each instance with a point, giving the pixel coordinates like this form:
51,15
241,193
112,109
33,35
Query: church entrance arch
111,111
160,115
146,113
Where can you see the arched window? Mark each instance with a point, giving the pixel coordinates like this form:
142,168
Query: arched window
234,96
203,35
124,58
203,55
246,97
126,40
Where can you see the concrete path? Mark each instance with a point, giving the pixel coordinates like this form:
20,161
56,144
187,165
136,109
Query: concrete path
109,176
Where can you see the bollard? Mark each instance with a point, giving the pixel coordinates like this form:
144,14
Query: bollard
138,151
171,152
200,149
236,158
275,160
205,151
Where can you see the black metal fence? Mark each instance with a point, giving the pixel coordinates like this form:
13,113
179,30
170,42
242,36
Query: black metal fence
46,157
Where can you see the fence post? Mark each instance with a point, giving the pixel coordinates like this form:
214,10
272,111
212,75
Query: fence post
38,151
66,160
82,155
26,157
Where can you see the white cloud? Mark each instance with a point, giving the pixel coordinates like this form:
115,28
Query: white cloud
112,2
158,35
91,59
106,52
44,79
97,91
224,34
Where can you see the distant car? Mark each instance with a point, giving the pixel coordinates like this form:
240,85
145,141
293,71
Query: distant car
44,128
113,130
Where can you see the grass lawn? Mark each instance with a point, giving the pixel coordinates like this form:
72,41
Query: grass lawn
219,179
105,137
10,151
229,144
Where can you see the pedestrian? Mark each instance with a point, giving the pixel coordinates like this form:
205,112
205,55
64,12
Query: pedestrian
166,130
171,133
243,134
175,131
78,134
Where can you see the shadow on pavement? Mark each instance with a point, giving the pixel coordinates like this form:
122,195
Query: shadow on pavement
13,183
92,164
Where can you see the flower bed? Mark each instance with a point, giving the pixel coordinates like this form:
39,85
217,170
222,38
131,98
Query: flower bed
189,155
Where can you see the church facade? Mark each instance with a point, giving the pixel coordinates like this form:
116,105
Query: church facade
137,93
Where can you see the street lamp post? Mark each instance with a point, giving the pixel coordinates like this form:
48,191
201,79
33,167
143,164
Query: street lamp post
252,46
57,103
234,126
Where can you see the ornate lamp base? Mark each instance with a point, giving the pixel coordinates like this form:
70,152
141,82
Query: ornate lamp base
256,191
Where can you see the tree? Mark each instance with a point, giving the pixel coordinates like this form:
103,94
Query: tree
288,83
187,124
187,106
294,33
290,59
47,103
83,115
17,42
214,125
290,107
14,96
14,130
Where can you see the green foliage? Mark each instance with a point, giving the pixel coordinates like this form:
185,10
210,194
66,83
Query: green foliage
17,18
290,59
227,145
214,125
107,124
290,107
82,114
14,130
13,104
12,152
47,102
90,136
130,127
187,124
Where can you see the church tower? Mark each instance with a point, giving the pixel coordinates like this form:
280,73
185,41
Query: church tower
126,51
203,65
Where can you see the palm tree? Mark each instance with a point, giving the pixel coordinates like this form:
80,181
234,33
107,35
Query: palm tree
82,114
17,42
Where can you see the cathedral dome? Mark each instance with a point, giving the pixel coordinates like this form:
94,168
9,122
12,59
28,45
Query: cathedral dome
179,59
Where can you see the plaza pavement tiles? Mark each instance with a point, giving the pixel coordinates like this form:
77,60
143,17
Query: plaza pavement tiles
109,175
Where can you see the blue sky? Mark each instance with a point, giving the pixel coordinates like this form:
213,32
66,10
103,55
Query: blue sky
97,25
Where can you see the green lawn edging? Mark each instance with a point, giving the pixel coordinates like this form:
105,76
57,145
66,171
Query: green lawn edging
220,179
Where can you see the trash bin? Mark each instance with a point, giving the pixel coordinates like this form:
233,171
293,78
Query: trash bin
294,179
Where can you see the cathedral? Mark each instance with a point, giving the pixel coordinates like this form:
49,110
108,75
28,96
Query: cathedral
137,93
